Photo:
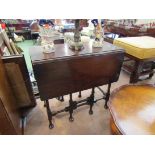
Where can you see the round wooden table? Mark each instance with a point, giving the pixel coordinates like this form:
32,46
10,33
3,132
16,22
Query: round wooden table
132,109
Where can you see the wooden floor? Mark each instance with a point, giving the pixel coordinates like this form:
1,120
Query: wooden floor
84,124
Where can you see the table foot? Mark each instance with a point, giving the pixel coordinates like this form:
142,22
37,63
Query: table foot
44,104
106,106
90,112
51,126
71,119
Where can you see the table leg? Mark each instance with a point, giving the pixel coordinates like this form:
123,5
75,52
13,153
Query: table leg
23,122
107,96
136,72
60,98
71,119
79,94
91,101
49,114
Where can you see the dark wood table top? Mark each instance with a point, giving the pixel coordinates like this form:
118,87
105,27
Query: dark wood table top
63,51
65,71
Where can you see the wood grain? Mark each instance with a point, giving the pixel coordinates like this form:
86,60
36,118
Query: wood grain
19,79
132,108
66,71
9,116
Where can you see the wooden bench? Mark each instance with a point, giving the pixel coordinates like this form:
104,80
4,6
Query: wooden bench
140,51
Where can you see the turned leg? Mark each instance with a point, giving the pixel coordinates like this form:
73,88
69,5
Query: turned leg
79,94
71,119
91,101
49,114
107,96
136,71
60,98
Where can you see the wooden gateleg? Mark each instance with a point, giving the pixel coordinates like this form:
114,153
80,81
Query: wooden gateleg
91,101
71,108
107,96
79,94
49,114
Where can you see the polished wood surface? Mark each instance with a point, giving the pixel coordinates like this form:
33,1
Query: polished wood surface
58,78
65,71
113,128
132,109
63,51
9,112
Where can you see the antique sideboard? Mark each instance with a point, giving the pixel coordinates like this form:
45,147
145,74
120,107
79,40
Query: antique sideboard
65,72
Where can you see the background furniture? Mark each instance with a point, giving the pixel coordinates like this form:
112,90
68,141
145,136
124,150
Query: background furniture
25,33
16,96
141,51
17,74
18,26
7,46
131,27
19,79
65,72
132,110
9,113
